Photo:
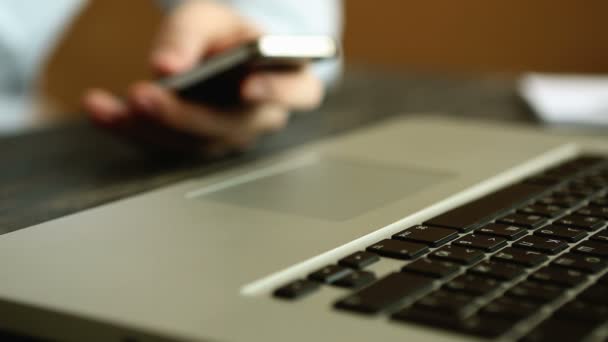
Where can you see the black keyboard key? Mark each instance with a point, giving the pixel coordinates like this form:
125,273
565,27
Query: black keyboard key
398,249
535,292
586,186
520,257
569,193
329,274
448,303
483,242
541,244
296,289
388,292
599,202
356,279
595,181
592,248
561,233
502,230
590,160
599,212
600,172
526,221
430,318
603,280
578,310
582,163
473,214
559,276
574,221
432,268
582,190
510,308
472,285
596,294
542,210
497,270
561,201
546,179
466,256
601,236
432,236
554,330
579,262
485,327
359,260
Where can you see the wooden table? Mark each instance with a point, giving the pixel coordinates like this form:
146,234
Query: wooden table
58,171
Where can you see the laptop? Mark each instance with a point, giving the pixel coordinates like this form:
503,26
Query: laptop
415,229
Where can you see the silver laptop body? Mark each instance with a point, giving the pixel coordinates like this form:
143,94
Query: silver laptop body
199,260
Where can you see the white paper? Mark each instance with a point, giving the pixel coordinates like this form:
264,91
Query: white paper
567,99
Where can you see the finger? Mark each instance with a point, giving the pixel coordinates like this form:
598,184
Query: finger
164,107
103,107
237,127
190,31
215,149
258,121
299,90
268,118
149,134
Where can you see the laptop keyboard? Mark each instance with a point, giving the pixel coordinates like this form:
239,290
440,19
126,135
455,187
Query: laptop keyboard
527,262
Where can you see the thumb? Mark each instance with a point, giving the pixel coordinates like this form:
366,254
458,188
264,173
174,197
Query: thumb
190,31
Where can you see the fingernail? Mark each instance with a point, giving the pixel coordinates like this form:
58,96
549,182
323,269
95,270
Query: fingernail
168,61
148,105
148,102
104,107
215,151
257,89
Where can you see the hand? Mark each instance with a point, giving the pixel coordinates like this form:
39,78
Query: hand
156,118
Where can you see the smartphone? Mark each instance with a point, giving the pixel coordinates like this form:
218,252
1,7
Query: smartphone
216,81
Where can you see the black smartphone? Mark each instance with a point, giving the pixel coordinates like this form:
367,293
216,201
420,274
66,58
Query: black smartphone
216,81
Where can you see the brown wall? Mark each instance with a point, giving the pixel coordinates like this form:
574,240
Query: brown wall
479,35
107,46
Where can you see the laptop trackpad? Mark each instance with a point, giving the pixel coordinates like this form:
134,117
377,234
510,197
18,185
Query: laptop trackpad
327,189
